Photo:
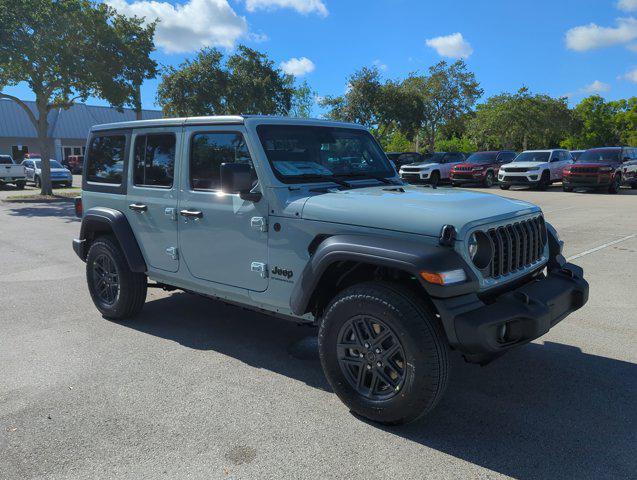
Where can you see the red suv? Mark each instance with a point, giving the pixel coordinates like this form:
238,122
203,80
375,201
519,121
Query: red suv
480,167
598,168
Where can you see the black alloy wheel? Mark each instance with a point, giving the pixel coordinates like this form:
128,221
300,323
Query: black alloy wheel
106,280
489,180
371,357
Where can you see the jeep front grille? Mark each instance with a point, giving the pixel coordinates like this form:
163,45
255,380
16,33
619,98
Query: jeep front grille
516,246
515,170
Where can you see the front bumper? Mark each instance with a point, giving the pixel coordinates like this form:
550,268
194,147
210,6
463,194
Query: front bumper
519,178
590,181
485,328
415,177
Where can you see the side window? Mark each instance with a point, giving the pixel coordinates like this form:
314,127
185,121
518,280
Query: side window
106,159
154,160
208,151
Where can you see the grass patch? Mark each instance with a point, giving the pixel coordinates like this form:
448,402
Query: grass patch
64,196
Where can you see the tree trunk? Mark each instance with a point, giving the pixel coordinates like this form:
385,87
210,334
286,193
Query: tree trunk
138,102
418,141
42,128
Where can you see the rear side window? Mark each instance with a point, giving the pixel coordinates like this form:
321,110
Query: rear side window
154,159
208,151
106,155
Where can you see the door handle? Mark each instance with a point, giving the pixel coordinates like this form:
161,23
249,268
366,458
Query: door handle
191,213
137,207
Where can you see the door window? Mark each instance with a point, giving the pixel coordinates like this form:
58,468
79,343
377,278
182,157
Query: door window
154,160
106,159
208,151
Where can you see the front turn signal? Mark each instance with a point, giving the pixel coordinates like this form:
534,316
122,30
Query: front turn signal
444,278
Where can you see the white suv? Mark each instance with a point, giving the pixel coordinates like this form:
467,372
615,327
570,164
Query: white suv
535,168
434,168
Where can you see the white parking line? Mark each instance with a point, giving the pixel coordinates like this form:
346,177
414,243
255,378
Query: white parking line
592,250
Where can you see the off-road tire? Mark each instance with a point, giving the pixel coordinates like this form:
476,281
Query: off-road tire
434,179
420,335
132,285
504,187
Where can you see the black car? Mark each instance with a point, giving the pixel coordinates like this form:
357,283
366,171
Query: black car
403,158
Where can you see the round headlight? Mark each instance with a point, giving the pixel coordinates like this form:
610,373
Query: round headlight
479,249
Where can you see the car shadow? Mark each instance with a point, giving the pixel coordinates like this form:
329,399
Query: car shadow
543,410
62,208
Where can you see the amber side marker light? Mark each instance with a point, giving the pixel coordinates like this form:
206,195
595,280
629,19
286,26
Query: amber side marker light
444,278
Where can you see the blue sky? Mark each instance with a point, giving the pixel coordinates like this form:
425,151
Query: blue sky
559,47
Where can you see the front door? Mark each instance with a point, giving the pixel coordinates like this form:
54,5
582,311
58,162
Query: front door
152,196
222,238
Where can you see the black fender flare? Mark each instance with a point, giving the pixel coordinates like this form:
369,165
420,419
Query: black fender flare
100,219
405,255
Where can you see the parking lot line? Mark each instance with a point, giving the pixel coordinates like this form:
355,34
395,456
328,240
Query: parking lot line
608,244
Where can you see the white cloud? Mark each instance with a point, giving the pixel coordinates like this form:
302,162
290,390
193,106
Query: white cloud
302,6
588,37
627,5
452,46
380,65
189,26
298,66
631,76
596,87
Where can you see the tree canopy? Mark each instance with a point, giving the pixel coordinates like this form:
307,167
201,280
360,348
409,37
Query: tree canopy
247,82
69,50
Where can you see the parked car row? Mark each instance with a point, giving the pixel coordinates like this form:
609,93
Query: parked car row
30,170
606,168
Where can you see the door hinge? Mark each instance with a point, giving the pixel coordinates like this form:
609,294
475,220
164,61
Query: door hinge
260,268
173,253
259,223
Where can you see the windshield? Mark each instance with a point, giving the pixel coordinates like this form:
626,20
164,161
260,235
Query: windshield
533,157
432,157
602,155
53,163
299,153
5,160
482,158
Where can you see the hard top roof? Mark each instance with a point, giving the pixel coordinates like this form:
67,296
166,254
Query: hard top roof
222,120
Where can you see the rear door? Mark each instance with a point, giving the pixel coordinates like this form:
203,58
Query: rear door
152,195
222,237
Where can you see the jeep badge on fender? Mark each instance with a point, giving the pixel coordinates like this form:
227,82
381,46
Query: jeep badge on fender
187,203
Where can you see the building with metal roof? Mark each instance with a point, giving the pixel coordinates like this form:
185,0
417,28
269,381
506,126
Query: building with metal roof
68,129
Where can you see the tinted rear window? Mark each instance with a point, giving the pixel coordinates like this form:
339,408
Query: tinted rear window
5,161
106,159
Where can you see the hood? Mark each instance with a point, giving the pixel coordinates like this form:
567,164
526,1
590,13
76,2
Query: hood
523,164
593,164
56,170
414,209
421,165
471,165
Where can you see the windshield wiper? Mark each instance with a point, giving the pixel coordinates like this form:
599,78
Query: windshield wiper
325,178
369,175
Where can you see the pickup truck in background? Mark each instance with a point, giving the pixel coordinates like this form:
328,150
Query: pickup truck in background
12,173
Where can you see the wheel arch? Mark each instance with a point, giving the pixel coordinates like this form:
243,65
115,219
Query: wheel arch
339,261
107,221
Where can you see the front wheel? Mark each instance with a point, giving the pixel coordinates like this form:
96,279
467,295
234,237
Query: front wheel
504,187
20,185
489,180
384,352
615,185
545,181
567,189
38,182
434,180
117,292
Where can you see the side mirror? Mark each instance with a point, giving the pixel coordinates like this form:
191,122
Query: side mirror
238,178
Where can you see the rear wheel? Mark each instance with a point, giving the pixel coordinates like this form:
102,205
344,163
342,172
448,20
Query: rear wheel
435,178
117,292
384,352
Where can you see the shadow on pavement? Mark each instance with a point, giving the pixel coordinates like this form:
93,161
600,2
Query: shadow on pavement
62,208
542,411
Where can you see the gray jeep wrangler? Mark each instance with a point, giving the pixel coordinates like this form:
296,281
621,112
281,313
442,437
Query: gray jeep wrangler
308,220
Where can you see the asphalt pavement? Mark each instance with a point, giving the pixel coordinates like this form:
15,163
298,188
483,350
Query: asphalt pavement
193,388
